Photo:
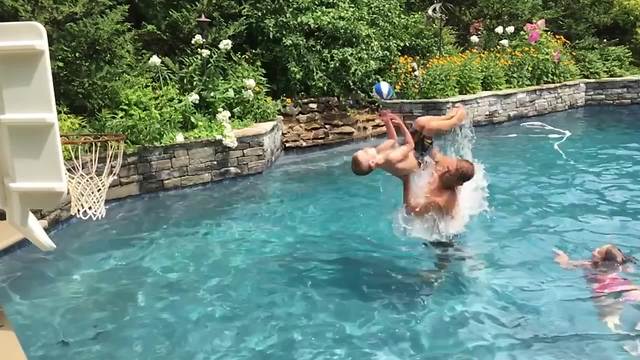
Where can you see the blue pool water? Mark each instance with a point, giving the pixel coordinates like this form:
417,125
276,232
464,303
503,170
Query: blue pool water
303,262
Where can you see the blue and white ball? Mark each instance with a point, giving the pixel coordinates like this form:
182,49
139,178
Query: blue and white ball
383,90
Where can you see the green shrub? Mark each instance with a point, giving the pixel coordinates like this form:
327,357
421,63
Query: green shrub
469,77
149,115
596,61
91,46
493,72
440,80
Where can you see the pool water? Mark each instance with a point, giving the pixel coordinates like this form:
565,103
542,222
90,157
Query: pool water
304,262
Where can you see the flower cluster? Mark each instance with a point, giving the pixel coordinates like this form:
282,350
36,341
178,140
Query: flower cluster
228,138
534,31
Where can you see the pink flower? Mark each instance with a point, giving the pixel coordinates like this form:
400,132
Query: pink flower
541,24
556,56
534,36
530,27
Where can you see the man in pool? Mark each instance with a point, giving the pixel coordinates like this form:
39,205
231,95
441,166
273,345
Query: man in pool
440,194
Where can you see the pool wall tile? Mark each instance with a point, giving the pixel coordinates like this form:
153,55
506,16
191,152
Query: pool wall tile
505,105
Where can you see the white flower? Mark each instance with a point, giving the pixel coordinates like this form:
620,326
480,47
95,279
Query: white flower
504,42
499,30
416,73
414,66
204,52
248,94
197,40
250,84
218,137
155,61
225,44
510,29
230,93
474,39
179,137
193,98
223,115
230,141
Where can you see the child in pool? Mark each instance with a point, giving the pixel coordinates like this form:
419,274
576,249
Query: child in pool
604,276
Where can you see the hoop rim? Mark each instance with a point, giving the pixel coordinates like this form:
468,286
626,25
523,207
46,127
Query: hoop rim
81,139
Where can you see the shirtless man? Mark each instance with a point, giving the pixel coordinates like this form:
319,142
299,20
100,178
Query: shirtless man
400,161
440,195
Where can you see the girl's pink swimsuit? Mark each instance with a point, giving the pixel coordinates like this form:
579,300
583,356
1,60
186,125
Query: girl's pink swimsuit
612,283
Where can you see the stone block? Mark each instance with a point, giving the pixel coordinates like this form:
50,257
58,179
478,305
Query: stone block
235,154
180,153
313,126
158,157
257,166
201,153
247,159
319,134
144,168
195,179
165,174
254,151
130,179
201,168
225,173
308,118
150,186
180,162
129,170
343,130
160,165
172,183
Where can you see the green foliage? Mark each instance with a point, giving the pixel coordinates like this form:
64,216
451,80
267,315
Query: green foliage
439,81
469,79
70,123
596,61
335,47
493,73
91,45
149,115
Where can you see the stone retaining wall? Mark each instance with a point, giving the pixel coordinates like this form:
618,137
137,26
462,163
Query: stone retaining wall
324,121
191,163
501,106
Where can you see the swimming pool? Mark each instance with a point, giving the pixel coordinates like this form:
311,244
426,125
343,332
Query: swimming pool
303,262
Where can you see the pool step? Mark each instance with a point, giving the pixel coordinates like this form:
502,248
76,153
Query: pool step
9,344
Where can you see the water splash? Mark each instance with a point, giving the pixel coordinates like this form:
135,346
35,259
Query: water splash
540,125
472,196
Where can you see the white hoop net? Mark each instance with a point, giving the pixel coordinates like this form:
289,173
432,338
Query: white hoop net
93,162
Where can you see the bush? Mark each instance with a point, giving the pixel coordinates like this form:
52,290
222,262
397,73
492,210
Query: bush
597,61
149,115
493,70
335,47
91,46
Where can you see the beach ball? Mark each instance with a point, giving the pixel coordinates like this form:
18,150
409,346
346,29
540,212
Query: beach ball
383,90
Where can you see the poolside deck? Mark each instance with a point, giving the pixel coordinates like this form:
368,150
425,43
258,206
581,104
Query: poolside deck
8,235
9,344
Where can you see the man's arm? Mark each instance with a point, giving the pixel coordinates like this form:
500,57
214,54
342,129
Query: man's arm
429,127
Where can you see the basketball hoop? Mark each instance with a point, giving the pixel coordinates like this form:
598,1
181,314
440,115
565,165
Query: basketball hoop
94,162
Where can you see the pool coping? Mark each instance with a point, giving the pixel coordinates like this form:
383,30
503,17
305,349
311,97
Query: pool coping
9,343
